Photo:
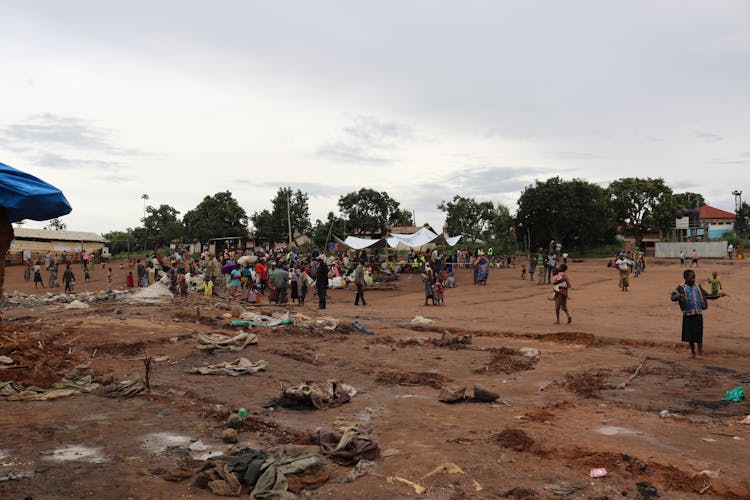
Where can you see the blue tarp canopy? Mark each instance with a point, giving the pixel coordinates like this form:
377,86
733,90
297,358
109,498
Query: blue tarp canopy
27,197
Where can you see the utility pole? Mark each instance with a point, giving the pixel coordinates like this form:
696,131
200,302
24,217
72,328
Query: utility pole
289,220
737,201
144,197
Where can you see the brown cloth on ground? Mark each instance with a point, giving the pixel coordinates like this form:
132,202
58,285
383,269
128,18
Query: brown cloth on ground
347,446
240,366
6,237
318,395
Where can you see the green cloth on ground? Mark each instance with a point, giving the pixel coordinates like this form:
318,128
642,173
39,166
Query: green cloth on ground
735,395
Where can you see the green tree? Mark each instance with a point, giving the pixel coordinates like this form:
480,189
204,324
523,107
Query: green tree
689,200
120,241
501,230
216,216
273,226
371,212
742,221
642,205
56,224
575,213
162,225
323,229
467,216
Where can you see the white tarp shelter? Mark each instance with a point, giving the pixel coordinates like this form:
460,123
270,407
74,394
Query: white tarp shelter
400,241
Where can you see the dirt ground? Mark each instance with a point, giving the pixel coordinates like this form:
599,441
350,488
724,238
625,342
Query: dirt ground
574,407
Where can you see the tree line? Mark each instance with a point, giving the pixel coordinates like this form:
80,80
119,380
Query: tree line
577,213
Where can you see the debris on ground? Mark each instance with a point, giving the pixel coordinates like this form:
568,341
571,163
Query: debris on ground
325,323
327,394
422,321
448,339
262,321
418,489
14,391
457,394
448,467
362,468
562,489
240,366
362,328
735,395
211,341
347,445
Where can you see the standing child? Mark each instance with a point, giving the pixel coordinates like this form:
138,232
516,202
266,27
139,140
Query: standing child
523,272
86,275
692,299
560,285
109,277
130,279
440,285
38,275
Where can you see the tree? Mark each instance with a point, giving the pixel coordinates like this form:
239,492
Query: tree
323,229
501,228
689,201
642,205
216,216
574,213
121,241
273,226
56,224
467,216
742,221
371,212
162,225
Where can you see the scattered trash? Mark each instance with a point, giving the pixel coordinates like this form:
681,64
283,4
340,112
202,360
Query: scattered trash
263,321
218,341
362,468
326,323
418,489
529,352
362,328
562,489
484,394
709,473
242,412
240,366
234,421
457,394
452,393
198,446
667,414
745,420
6,360
315,395
709,440
347,446
477,486
422,321
76,304
13,476
735,395
598,472
124,389
161,359
156,292
390,452
448,339
14,391
448,467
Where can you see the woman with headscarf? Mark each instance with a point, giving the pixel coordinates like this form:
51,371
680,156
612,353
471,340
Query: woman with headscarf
483,269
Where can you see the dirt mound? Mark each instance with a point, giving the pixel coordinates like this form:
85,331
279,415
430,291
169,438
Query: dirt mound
521,494
569,338
515,439
505,360
411,378
587,383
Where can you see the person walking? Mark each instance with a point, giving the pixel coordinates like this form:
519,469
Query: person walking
694,262
561,285
359,280
38,275
540,261
321,281
69,279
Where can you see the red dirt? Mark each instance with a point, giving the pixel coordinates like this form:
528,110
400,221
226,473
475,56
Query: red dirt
560,414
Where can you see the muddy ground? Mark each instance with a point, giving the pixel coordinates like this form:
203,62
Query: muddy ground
574,407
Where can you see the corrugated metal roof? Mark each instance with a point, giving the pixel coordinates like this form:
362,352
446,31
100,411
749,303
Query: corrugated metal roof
48,234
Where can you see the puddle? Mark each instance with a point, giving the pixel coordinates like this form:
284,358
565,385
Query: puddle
76,452
160,441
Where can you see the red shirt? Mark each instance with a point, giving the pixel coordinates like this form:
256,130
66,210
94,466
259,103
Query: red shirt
262,269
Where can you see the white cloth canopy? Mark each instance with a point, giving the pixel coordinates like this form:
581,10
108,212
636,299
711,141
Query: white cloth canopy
401,241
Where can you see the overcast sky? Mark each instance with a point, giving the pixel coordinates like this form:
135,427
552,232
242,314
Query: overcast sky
422,99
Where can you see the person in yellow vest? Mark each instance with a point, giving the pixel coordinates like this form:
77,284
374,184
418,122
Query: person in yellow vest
208,290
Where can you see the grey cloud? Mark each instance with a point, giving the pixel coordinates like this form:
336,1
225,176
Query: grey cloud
576,155
708,136
116,178
745,154
313,189
367,140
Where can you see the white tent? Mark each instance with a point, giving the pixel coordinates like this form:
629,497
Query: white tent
400,241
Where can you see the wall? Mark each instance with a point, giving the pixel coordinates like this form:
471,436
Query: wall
710,249
40,248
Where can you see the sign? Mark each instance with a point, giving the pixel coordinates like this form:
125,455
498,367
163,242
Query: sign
682,223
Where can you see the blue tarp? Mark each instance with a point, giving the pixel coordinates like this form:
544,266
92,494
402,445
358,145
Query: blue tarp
26,197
